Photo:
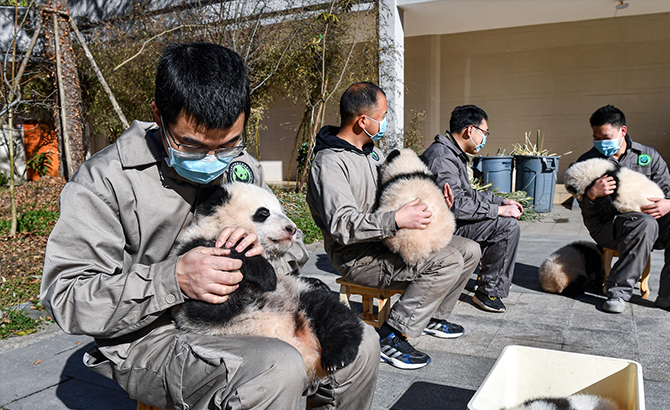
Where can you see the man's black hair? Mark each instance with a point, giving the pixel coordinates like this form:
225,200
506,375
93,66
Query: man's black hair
206,82
465,115
608,114
359,99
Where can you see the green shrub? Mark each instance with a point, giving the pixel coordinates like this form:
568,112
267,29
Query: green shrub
39,222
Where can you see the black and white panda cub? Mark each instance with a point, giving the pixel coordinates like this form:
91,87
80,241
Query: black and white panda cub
299,311
632,187
404,177
573,402
573,269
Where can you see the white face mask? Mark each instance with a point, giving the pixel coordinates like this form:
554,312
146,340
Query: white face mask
482,144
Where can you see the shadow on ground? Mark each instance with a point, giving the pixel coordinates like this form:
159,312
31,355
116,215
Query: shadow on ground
323,263
431,396
82,388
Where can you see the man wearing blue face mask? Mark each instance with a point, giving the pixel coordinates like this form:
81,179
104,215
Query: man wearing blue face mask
108,271
633,234
485,218
341,195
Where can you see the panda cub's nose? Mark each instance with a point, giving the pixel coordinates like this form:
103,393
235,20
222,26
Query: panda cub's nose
290,229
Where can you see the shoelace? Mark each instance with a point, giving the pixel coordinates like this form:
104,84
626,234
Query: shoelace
403,344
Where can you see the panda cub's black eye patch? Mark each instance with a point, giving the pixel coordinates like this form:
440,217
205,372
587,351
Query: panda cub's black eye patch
261,215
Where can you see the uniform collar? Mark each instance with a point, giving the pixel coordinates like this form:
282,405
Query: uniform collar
449,141
140,145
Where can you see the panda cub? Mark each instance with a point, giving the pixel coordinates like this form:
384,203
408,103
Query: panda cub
573,269
402,178
299,311
632,187
573,402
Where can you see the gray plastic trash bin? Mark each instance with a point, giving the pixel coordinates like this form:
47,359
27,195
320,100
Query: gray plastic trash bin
496,171
536,175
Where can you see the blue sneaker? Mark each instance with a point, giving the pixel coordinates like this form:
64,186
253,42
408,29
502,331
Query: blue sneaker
397,351
443,329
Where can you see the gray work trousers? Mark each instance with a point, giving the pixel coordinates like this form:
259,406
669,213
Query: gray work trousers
634,235
431,288
499,239
173,369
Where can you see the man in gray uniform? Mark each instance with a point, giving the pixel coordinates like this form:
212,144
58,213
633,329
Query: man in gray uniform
481,216
633,234
107,272
341,195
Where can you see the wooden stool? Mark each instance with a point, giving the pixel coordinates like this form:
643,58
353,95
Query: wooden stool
383,297
644,279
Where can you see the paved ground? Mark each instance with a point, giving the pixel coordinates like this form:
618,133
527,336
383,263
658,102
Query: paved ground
45,371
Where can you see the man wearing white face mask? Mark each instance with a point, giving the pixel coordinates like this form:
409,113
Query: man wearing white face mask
481,216
341,195
109,273
633,234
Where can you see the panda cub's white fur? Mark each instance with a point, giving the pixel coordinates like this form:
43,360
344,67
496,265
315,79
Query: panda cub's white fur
572,268
403,178
574,402
633,188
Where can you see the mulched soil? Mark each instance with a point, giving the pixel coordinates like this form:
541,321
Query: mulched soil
23,255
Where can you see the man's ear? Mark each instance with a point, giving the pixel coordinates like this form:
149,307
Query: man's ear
624,130
157,114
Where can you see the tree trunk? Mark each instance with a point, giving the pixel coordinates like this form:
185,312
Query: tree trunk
72,101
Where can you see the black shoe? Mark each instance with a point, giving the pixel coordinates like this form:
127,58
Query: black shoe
443,329
397,351
489,303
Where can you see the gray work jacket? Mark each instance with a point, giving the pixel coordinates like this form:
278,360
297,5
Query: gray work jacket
341,195
449,163
106,272
637,157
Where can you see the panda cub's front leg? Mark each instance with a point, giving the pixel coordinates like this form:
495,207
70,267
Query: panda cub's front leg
338,328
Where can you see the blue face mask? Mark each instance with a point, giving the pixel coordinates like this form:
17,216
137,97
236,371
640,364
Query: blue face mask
483,143
382,129
200,171
608,147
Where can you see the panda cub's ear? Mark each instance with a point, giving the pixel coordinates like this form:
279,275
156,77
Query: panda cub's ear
256,270
212,197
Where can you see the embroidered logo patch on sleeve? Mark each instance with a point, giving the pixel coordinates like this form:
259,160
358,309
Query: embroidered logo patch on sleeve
643,160
375,156
240,172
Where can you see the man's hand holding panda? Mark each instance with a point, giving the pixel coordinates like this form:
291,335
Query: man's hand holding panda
603,186
658,208
413,215
207,274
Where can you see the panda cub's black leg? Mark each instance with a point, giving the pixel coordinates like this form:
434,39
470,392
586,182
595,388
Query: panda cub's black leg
337,327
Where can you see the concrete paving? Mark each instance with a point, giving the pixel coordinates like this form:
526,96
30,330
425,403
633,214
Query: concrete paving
45,370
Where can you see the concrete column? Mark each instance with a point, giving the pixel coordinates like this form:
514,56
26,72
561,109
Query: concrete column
392,70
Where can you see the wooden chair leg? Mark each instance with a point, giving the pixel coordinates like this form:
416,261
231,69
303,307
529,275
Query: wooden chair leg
344,296
384,309
644,280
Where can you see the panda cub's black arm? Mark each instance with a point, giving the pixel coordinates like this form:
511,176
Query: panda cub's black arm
338,328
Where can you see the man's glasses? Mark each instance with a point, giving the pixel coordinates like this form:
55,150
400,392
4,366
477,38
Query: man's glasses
195,152
486,133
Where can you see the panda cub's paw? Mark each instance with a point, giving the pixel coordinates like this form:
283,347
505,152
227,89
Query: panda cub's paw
315,284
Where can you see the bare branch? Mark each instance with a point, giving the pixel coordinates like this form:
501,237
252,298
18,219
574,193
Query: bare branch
98,73
144,44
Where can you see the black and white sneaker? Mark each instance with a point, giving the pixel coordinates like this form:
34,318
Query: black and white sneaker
397,351
443,329
488,303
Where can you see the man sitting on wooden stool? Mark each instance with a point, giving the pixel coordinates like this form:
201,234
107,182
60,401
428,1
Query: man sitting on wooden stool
633,234
341,194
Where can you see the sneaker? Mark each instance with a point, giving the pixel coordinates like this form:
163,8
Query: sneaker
489,303
614,305
443,329
662,302
397,351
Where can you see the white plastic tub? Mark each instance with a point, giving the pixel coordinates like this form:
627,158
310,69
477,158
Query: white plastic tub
523,373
